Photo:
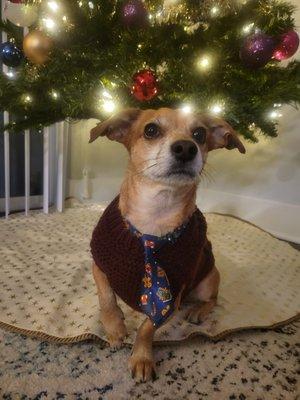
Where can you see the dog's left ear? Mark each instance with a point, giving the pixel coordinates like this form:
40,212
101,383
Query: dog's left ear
222,135
117,126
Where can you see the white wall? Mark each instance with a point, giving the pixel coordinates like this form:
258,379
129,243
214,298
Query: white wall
262,186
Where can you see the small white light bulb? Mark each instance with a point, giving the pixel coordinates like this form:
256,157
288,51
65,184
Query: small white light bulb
275,115
54,95
49,23
106,94
217,109
215,11
204,63
53,6
10,74
248,28
27,98
186,108
108,106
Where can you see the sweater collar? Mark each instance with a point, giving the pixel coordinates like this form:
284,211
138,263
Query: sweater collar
170,237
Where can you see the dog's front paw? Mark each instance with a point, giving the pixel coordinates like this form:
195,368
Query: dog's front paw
142,369
197,314
116,338
116,332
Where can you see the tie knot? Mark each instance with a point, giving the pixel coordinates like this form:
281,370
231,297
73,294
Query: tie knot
149,244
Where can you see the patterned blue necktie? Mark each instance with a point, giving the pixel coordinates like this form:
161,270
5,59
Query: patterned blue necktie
156,299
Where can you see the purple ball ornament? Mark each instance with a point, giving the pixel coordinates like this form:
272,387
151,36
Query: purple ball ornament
287,47
134,14
257,50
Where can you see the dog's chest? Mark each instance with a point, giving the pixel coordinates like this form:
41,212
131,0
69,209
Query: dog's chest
120,255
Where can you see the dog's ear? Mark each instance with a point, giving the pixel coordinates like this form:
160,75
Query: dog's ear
221,134
117,126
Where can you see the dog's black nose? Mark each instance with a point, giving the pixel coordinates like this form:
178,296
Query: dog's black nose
184,150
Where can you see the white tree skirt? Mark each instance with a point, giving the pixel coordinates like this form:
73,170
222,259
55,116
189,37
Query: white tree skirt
47,289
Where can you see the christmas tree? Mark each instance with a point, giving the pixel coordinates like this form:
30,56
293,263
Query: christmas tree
87,59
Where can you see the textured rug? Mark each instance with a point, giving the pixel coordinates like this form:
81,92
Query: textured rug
47,288
250,365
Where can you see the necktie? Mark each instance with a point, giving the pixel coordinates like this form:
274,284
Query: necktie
156,299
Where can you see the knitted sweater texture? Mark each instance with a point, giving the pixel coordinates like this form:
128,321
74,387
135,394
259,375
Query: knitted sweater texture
120,255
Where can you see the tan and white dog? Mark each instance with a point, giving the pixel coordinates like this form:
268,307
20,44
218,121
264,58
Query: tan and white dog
167,152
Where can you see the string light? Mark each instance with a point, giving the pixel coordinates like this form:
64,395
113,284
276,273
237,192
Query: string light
27,99
275,114
53,6
91,5
217,108
107,103
186,108
204,63
106,95
215,11
248,28
49,23
54,94
10,74
108,106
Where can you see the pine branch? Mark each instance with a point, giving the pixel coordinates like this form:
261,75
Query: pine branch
95,51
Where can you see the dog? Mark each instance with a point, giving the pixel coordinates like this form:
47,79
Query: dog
167,152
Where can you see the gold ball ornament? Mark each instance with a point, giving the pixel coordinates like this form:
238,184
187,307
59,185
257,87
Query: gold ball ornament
37,47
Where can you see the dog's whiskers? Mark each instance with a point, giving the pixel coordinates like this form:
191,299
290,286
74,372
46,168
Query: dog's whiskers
145,169
206,176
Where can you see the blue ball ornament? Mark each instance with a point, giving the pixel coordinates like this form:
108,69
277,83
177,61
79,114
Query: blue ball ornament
10,54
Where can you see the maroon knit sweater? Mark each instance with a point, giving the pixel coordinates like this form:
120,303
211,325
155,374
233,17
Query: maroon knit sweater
120,255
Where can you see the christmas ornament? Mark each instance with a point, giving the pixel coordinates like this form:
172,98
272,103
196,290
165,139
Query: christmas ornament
287,47
10,54
19,13
37,47
257,50
144,85
134,14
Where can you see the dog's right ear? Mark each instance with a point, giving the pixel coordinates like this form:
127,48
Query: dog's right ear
117,126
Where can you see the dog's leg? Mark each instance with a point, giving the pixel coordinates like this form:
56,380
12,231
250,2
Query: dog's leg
111,315
141,361
207,293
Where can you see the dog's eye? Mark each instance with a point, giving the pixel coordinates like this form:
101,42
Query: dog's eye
151,131
199,135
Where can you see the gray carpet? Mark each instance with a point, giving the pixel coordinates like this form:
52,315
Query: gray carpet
253,365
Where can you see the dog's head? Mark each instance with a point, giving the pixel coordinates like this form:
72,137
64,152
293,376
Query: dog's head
167,145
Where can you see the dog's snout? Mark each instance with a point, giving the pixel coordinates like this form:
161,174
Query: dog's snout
184,150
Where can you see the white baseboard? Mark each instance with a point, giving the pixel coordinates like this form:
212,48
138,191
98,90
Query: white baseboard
280,219
18,203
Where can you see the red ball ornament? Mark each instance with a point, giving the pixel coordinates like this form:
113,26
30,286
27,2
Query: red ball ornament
287,47
144,85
